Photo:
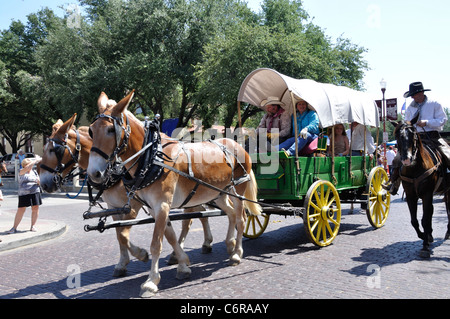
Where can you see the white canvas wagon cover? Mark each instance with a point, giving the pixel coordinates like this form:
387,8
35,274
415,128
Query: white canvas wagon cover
333,104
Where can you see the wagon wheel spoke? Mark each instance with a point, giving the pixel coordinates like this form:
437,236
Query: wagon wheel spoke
323,213
256,225
316,208
378,199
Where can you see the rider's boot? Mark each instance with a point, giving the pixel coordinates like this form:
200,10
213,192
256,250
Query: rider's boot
394,182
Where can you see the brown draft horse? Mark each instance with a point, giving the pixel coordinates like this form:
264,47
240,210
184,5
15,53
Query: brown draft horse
58,163
420,176
215,163
63,139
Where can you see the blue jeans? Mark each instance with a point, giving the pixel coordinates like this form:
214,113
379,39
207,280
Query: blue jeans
289,144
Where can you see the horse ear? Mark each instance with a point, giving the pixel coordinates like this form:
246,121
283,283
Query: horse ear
394,123
57,125
123,104
102,102
65,128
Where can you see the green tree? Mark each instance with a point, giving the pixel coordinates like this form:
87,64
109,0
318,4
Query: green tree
185,58
284,41
23,111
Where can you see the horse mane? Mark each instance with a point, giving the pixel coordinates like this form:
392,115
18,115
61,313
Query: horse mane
425,155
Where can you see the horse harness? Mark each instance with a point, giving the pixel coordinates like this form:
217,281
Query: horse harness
59,148
150,161
437,159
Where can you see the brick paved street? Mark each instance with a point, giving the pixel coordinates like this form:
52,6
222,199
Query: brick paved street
361,263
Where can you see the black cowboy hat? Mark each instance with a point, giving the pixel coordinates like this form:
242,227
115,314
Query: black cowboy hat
415,88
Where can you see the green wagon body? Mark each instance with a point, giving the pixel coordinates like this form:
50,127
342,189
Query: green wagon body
288,183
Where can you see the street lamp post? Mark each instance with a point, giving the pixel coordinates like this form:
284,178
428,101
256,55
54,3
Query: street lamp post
383,112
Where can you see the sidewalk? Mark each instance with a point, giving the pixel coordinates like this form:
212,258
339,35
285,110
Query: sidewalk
46,229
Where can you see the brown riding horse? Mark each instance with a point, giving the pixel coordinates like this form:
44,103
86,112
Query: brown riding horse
117,133
57,162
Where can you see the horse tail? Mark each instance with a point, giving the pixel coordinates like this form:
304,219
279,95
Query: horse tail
251,192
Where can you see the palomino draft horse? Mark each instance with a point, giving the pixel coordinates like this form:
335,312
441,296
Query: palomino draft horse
222,164
68,147
421,176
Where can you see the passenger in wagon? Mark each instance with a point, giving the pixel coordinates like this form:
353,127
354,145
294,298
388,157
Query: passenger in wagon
357,137
341,142
307,126
274,128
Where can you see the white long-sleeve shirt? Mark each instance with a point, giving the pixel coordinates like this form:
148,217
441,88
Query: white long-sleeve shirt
430,111
357,139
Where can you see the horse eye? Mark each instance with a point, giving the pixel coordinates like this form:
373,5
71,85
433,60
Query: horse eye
111,130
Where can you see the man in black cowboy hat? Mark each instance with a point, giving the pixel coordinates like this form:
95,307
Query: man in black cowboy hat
431,120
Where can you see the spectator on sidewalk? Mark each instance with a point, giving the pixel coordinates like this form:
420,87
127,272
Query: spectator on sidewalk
29,194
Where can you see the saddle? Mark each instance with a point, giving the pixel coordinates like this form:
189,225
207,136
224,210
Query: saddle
435,141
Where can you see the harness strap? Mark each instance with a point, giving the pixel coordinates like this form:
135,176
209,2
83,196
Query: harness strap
100,152
243,179
416,181
191,194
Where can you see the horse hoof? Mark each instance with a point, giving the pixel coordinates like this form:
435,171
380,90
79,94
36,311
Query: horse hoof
119,272
183,275
148,290
425,253
206,249
234,260
172,260
143,256
447,235
146,294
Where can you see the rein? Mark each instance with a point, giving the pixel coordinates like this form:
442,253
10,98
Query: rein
418,180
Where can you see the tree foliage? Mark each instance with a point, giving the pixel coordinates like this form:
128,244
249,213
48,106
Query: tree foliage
185,58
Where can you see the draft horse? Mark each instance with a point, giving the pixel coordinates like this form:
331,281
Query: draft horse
69,147
186,168
423,173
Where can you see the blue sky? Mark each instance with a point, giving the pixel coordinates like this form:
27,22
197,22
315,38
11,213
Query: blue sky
407,40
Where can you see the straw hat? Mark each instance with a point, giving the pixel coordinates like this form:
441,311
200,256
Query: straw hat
271,100
27,161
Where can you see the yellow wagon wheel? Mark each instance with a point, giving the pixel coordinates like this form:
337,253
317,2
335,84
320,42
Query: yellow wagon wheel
322,217
379,199
256,225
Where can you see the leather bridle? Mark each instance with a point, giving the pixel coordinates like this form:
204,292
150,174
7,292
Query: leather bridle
59,148
113,168
122,144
